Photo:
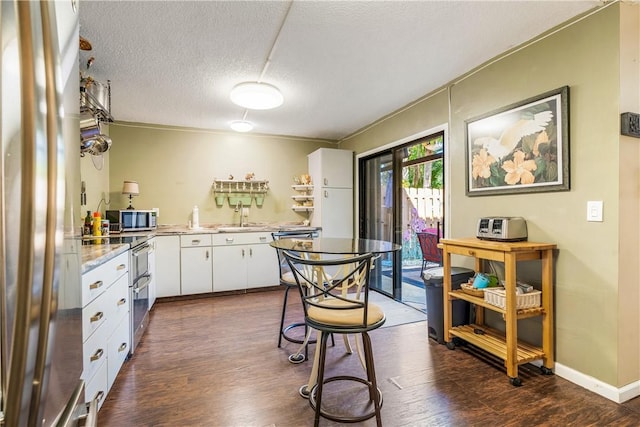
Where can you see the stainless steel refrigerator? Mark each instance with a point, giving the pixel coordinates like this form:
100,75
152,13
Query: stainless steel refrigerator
40,283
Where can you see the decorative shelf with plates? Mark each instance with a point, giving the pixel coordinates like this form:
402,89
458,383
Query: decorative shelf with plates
240,192
303,198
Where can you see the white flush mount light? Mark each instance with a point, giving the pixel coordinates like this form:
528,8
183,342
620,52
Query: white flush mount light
256,96
241,125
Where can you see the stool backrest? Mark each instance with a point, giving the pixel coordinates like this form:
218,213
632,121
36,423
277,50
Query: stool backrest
346,290
282,263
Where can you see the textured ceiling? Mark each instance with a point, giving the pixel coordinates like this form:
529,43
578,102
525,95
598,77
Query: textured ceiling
340,65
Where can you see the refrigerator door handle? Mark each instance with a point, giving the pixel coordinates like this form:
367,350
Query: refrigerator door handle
18,382
53,133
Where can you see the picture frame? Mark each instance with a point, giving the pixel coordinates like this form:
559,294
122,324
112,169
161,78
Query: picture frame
520,148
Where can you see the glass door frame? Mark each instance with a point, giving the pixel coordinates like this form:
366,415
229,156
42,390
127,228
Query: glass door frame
395,149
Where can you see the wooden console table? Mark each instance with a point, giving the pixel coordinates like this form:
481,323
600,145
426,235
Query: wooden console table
503,345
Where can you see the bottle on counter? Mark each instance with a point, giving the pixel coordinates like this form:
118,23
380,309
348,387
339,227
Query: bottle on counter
195,217
86,230
105,227
97,223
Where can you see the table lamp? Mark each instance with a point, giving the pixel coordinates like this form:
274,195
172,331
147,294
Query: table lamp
131,188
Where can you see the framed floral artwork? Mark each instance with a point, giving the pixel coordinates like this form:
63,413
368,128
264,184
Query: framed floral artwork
521,148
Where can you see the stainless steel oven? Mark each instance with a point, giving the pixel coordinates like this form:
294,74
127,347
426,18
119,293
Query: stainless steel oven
140,278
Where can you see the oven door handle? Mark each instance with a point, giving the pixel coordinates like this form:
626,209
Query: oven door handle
146,283
143,250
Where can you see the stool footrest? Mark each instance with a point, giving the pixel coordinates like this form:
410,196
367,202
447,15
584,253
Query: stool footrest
295,340
343,418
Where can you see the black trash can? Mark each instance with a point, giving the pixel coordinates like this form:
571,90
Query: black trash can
433,278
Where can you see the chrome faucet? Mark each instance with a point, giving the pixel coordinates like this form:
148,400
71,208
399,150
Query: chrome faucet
239,209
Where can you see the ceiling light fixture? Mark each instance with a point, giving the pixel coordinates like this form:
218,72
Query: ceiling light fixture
256,96
241,125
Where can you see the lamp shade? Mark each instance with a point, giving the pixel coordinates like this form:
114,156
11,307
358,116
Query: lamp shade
131,188
256,96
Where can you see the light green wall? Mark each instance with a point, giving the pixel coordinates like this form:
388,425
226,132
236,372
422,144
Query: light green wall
588,298
175,168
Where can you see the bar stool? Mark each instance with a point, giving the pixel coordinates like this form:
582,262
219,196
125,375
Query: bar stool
288,281
340,305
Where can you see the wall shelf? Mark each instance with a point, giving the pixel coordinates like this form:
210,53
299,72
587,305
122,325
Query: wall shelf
240,192
303,198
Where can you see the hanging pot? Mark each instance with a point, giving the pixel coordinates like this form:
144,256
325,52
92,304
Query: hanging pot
89,126
96,145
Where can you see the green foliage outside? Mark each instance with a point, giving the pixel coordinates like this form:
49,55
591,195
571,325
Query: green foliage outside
414,176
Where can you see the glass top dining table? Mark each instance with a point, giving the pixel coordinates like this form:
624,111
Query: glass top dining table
336,246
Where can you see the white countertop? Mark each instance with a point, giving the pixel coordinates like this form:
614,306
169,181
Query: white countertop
95,255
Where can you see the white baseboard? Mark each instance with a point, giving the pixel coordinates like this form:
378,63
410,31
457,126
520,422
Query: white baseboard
615,394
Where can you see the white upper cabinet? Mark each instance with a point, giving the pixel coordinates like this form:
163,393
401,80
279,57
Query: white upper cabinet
330,167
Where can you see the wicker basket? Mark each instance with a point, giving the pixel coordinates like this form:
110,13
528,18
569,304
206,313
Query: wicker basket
498,298
469,289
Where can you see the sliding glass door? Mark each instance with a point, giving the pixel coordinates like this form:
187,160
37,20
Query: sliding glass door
402,198
376,214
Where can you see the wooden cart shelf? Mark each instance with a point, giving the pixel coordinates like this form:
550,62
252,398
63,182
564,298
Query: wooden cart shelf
504,345
493,342
521,313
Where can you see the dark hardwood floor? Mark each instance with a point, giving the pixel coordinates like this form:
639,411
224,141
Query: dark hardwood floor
214,362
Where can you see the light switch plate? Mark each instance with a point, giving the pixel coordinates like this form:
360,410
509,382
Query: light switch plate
594,211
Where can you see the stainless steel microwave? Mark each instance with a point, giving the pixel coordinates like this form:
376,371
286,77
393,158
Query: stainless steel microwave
133,219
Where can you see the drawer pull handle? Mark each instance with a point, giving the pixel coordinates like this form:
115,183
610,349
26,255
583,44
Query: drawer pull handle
96,285
99,395
207,254
195,242
122,347
472,253
121,267
97,355
229,239
99,315
122,301
263,239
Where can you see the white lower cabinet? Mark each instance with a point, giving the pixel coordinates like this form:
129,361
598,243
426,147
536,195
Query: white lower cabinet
191,264
118,349
196,264
96,387
105,320
167,257
243,261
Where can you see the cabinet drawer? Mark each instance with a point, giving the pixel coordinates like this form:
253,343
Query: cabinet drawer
96,281
118,351
94,315
118,302
192,240
96,387
225,239
94,354
475,252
